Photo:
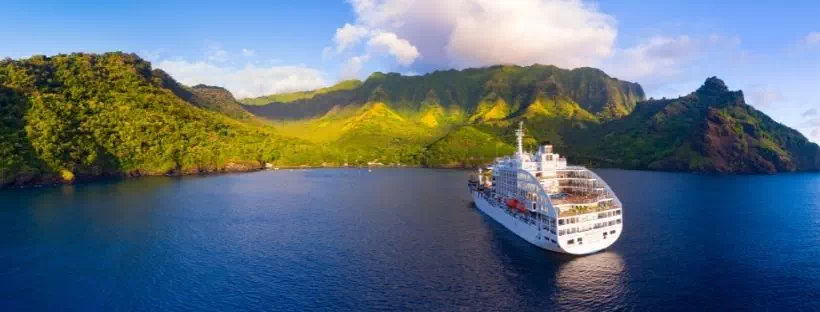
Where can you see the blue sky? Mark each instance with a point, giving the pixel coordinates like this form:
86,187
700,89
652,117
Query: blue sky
769,50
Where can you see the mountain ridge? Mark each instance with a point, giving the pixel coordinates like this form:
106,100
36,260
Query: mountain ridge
592,89
81,116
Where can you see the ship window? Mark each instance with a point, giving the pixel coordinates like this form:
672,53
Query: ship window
570,242
617,212
612,232
561,232
561,221
618,221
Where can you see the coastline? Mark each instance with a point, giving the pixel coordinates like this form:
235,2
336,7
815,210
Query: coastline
25,181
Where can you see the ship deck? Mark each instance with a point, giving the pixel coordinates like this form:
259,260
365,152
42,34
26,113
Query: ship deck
576,204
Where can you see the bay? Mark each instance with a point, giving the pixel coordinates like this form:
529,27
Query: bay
401,239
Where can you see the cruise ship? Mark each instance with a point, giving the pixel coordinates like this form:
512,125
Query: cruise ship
537,196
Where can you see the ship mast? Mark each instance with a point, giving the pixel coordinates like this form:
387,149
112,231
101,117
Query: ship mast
519,134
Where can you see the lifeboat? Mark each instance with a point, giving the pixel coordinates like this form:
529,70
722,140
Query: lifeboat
513,203
521,207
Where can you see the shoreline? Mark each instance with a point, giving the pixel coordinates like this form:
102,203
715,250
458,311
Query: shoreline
54,180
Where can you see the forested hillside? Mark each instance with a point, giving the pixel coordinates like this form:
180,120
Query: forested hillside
86,115
594,119
471,90
82,116
711,129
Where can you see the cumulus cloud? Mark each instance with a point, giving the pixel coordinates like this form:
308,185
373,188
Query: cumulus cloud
215,53
764,96
659,55
813,38
812,127
404,52
349,35
811,124
248,52
661,59
810,112
352,68
151,55
247,81
463,33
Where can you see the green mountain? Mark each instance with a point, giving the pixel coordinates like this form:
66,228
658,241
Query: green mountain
79,116
82,116
501,91
711,129
212,98
284,98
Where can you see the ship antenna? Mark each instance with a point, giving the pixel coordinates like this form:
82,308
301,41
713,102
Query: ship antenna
519,134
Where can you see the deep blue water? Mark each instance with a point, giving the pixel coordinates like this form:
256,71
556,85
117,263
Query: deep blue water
401,239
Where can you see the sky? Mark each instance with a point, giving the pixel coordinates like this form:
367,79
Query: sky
769,50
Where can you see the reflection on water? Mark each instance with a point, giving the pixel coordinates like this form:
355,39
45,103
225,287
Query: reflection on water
596,280
545,279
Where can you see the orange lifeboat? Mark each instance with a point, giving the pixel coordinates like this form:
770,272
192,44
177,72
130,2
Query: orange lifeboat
521,207
516,204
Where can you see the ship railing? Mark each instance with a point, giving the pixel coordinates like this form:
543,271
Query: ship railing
574,210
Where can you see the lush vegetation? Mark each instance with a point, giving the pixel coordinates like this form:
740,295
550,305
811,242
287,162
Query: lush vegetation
83,115
465,147
473,90
711,129
284,98
208,97
79,116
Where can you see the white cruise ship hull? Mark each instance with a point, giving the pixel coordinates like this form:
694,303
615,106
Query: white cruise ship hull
594,240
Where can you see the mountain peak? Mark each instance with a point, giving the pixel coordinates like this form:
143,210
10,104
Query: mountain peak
713,86
204,86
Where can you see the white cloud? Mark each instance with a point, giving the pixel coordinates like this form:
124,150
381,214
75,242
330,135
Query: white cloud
813,38
352,68
327,52
151,55
812,127
248,81
465,33
248,52
349,35
810,112
663,61
404,52
764,96
659,55
215,53
811,124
